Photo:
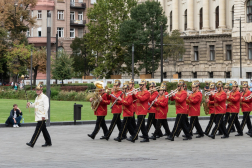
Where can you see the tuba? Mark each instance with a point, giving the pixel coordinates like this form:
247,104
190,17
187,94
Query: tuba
96,101
205,105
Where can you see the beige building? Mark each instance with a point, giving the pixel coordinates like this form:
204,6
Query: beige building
210,29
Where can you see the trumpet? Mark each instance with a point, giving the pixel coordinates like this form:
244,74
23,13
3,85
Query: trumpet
138,89
170,94
248,97
156,88
209,93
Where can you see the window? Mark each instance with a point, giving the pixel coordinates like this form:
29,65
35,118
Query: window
39,14
80,32
180,57
210,74
249,50
212,53
229,52
194,74
32,13
80,15
179,75
196,53
185,19
39,32
248,75
165,75
72,33
217,17
72,3
72,17
60,31
201,19
249,11
171,21
233,16
227,74
60,14
32,32
28,33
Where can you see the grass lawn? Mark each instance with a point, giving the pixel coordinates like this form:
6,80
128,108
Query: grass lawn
60,110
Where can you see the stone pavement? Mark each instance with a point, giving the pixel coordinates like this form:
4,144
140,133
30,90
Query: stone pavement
73,148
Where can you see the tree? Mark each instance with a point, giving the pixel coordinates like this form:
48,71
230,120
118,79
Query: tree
103,38
143,30
3,49
62,67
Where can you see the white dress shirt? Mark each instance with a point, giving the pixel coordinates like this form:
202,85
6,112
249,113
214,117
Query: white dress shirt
41,106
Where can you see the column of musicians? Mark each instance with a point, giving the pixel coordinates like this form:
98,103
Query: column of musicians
222,104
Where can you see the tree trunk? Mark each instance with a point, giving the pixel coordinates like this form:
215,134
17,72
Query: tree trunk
62,83
35,75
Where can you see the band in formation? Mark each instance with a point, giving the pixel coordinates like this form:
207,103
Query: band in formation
222,104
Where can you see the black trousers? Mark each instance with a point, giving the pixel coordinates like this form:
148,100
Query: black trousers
116,120
151,121
228,120
194,121
133,121
126,126
210,124
234,120
159,123
219,124
180,123
187,124
140,126
246,120
100,122
41,126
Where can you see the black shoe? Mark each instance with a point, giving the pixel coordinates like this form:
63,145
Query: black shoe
232,131
152,137
219,133
124,137
187,138
166,134
211,136
117,139
103,137
196,133
132,138
29,144
248,133
141,136
205,133
170,138
224,137
91,136
129,139
183,136
239,134
199,136
177,135
46,144
145,140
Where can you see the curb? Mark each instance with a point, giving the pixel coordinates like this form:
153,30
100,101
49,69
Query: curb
93,122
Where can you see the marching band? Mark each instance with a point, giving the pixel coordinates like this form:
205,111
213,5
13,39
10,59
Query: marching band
222,104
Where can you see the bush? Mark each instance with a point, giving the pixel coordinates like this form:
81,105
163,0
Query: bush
74,88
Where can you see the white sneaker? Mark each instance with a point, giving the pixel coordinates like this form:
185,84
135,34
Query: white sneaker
17,126
14,125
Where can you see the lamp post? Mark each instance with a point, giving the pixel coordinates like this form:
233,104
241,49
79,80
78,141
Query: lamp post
31,69
133,61
48,63
240,50
22,77
162,77
57,38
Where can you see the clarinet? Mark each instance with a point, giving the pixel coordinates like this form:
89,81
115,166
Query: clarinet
153,102
115,101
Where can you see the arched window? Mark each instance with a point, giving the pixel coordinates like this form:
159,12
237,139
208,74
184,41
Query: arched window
185,19
171,21
249,11
201,19
217,17
233,16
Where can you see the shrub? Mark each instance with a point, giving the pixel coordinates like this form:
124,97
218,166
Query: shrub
74,88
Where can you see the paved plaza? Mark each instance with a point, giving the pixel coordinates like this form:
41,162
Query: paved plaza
73,148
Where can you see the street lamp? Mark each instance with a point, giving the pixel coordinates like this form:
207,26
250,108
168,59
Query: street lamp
133,61
48,62
31,69
240,50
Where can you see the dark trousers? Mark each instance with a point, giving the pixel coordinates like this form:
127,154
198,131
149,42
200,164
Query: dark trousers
194,121
126,126
100,122
180,123
219,124
228,120
186,122
133,121
140,125
41,126
11,121
115,121
234,120
159,123
246,120
152,121
210,124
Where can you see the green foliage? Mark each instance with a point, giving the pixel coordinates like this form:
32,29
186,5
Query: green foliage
3,49
143,30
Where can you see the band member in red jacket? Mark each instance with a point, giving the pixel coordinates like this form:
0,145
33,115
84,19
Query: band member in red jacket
131,86
220,109
211,109
161,103
101,111
246,106
194,101
152,110
127,106
116,109
234,99
142,97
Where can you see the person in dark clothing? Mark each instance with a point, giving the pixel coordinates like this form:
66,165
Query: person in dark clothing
15,117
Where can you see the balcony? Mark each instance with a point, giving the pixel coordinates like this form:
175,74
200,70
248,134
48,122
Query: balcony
40,41
78,5
80,23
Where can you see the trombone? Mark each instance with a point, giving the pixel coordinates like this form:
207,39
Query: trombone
156,88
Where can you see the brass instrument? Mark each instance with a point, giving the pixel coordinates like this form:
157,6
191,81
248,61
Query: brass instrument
156,88
209,93
248,97
138,89
170,94
205,104
96,101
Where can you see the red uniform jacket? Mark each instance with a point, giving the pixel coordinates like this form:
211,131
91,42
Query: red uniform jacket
102,108
161,107
134,106
117,108
127,105
211,105
234,99
194,101
246,104
142,102
219,102
180,102
152,97
228,109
